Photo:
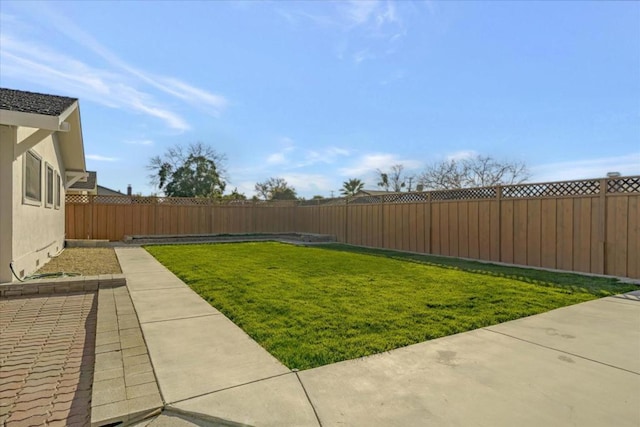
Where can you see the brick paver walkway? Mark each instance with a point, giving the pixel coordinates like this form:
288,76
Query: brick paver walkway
47,346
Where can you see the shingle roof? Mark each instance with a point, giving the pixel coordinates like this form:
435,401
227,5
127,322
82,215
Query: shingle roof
104,191
89,185
35,103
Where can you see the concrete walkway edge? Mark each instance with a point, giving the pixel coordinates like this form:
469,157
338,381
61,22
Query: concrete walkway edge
578,365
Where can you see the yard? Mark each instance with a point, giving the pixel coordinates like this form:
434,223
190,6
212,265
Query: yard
312,306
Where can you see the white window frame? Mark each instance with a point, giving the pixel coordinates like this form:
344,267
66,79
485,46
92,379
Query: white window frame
49,189
58,191
27,200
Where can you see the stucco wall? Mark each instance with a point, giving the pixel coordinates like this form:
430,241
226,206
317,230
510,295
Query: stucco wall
38,231
7,138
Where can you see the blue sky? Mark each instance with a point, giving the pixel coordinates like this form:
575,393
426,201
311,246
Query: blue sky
320,92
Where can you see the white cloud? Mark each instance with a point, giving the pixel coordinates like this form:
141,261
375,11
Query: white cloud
139,142
369,12
119,85
169,85
244,187
192,94
276,159
462,155
309,183
295,157
371,28
327,156
44,66
586,168
362,55
100,158
280,157
368,163
286,141
359,12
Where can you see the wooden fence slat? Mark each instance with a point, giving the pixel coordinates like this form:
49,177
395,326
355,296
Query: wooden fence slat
454,229
473,220
463,229
620,236
533,232
484,230
549,233
506,231
564,254
582,235
594,232
633,237
520,231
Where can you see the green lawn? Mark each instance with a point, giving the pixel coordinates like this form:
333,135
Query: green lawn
311,306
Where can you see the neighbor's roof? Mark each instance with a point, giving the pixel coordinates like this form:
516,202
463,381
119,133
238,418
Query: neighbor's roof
34,103
372,192
90,184
105,191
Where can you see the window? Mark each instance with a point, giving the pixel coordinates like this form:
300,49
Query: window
58,190
49,200
32,179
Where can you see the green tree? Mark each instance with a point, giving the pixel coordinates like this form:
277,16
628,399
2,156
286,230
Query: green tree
275,189
351,187
234,195
196,170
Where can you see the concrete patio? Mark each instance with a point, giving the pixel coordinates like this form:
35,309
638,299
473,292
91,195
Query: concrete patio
578,365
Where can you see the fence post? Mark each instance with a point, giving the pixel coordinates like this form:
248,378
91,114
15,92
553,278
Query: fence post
602,243
430,228
346,220
499,200
92,201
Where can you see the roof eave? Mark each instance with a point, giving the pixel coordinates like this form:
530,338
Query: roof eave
71,141
38,121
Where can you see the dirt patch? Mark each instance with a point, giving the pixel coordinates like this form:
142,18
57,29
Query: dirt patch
85,261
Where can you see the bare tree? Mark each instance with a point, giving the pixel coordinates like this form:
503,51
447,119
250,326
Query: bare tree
394,180
478,171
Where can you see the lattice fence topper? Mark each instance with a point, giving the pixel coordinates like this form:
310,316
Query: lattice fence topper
552,189
465,194
630,184
624,185
364,200
405,197
76,198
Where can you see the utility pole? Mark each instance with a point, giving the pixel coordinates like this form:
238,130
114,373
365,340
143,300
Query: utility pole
410,181
332,194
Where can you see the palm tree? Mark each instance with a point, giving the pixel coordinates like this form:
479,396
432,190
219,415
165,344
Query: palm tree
351,187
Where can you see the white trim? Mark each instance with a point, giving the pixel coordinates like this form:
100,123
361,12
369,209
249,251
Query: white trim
57,198
41,121
25,199
30,141
48,167
74,176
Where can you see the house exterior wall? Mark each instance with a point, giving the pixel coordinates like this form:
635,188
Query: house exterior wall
7,141
38,230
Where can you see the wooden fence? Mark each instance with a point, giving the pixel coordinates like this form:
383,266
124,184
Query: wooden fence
587,226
